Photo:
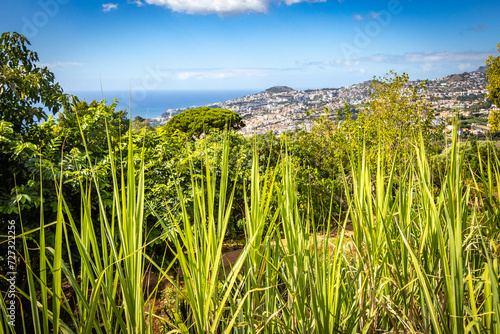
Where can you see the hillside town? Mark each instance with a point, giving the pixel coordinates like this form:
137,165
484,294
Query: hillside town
282,108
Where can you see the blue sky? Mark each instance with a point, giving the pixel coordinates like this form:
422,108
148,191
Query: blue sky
251,44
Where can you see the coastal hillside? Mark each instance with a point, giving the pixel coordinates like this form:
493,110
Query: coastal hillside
281,108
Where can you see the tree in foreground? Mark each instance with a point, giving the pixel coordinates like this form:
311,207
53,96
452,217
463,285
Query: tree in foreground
393,119
396,114
493,76
27,92
200,120
25,88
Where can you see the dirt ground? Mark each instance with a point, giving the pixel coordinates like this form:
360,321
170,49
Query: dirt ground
230,257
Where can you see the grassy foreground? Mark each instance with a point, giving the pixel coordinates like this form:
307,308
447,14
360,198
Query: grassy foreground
420,259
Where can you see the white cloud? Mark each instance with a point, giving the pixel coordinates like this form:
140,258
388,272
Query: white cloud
221,73
330,63
429,57
61,65
291,2
222,7
379,58
109,6
467,60
350,63
139,3
371,16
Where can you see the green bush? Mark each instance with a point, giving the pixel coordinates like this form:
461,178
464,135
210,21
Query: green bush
195,122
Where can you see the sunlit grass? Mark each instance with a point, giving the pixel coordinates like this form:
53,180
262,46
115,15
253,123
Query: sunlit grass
418,260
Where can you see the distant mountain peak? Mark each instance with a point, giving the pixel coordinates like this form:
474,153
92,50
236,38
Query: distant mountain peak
279,89
481,69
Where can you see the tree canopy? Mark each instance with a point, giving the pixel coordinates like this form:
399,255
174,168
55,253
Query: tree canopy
96,120
396,114
26,93
25,89
200,120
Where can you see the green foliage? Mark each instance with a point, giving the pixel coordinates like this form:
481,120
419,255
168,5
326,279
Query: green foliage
59,142
494,120
416,260
23,84
422,255
171,158
475,154
97,121
197,121
9,140
493,76
140,123
107,295
25,91
396,112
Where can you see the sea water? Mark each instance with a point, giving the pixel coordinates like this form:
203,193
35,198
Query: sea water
153,103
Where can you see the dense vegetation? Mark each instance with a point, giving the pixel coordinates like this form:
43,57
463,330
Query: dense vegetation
200,120
366,223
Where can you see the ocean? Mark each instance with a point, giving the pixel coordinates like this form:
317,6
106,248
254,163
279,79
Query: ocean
153,103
